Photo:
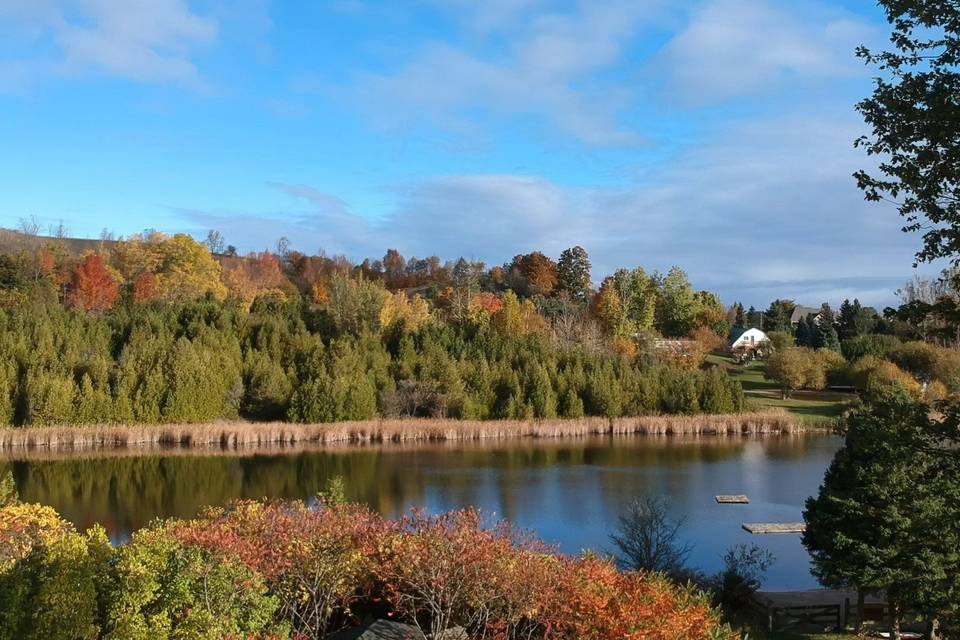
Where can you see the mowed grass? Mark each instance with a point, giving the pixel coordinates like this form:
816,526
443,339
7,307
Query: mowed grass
811,406
785,635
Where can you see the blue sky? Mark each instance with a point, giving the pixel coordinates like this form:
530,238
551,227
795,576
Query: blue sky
712,134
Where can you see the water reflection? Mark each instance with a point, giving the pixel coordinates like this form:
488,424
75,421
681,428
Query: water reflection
569,491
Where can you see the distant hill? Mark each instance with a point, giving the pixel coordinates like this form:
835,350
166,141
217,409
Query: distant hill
15,241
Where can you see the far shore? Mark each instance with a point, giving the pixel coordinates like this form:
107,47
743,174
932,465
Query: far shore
251,435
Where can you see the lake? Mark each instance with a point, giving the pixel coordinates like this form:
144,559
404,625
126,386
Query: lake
568,491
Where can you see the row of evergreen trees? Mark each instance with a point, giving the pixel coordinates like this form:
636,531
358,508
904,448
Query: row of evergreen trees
208,360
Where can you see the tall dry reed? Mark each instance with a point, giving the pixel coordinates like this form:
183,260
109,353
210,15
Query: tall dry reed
234,435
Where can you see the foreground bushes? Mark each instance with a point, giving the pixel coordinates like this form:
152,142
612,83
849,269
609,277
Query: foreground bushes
283,569
287,360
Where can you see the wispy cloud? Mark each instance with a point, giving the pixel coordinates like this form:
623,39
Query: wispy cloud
546,69
731,48
142,40
761,210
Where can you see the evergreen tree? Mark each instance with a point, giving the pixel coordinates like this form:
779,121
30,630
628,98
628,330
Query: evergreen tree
853,320
826,332
887,517
740,321
778,315
802,334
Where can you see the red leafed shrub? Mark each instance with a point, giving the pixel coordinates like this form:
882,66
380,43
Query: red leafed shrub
333,565
92,287
594,600
454,569
312,559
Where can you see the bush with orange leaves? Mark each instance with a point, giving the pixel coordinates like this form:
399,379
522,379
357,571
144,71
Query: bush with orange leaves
273,569
333,564
313,560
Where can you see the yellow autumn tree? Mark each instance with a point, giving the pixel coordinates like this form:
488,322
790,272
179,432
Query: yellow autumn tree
403,314
516,318
183,268
608,309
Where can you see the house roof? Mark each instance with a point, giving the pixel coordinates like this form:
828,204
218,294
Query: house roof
801,312
381,630
757,335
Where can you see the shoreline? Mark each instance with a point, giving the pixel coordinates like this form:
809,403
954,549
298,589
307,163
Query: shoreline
273,435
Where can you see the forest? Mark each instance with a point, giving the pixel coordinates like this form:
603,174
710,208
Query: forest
159,329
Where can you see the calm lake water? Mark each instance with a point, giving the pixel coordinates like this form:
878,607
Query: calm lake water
569,491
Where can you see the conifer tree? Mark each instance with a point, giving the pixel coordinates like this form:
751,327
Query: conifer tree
887,516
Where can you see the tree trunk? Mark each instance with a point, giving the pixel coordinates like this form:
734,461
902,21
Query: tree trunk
933,629
896,617
861,596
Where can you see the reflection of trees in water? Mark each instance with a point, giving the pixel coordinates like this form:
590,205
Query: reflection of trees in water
126,492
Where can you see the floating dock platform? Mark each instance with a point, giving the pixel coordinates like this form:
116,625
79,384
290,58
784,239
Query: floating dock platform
760,528
733,500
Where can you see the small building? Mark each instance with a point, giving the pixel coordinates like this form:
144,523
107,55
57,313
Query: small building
800,313
750,344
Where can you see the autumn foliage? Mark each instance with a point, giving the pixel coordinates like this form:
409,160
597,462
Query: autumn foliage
288,569
92,286
332,565
257,274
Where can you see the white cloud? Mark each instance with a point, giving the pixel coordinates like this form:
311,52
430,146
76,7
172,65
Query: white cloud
762,210
141,40
735,47
543,72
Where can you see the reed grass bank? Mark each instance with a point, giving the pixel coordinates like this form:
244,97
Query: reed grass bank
235,435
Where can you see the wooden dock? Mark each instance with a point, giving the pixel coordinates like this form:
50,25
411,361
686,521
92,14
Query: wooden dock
733,500
759,528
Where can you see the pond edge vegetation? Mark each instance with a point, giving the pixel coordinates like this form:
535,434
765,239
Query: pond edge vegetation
240,434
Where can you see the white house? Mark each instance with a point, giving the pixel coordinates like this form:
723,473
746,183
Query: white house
749,340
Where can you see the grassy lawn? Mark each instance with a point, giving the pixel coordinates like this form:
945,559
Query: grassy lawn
813,406
785,635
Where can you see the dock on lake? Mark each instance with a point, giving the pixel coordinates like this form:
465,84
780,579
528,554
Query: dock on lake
733,500
759,528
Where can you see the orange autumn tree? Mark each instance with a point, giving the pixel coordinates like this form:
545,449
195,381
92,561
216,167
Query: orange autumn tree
144,287
257,274
534,274
92,287
484,306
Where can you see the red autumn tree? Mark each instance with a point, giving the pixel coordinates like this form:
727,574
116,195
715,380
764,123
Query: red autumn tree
92,287
144,287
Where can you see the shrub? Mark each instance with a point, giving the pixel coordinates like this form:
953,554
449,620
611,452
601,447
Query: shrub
266,569
795,368
780,340
734,587
49,575
833,365
873,376
165,589
310,559
879,345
